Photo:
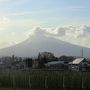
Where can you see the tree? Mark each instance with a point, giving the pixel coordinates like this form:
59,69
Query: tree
42,61
28,62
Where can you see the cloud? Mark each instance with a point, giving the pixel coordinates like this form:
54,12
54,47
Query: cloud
12,1
4,23
75,7
2,1
7,44
78,35
20,13
26,22
13,33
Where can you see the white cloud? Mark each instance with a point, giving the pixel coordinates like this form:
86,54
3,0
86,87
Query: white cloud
76,7
4,23
13,33
78,35
2,1
37,31
27,22
7,44
19,13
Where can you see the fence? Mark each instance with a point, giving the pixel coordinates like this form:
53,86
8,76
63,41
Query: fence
44,80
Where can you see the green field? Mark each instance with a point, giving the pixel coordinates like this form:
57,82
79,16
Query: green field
44,80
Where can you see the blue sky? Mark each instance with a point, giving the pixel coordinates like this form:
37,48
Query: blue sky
48,11
20,16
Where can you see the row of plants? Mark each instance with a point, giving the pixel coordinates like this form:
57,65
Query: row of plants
44,79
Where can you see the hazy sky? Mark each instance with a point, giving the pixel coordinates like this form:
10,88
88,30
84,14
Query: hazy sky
18,17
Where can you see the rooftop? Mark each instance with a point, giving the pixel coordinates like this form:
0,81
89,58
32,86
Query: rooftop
54,62
77,61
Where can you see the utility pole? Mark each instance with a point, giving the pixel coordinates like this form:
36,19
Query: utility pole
82,52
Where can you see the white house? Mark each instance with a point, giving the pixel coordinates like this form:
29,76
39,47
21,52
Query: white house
79,64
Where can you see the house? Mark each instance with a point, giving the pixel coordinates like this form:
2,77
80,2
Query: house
79,64
1,64
88,64
55,65
35,64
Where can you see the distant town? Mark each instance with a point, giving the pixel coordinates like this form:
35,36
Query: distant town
46,60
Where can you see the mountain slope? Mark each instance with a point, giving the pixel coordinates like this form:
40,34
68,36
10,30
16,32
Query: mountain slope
35,44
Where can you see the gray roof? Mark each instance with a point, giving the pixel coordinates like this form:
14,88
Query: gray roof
77,61
54,62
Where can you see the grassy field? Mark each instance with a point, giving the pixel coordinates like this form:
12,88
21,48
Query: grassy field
44,80
11,89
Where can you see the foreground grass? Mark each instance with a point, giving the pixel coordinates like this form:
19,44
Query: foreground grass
11,89
44,80
16,89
